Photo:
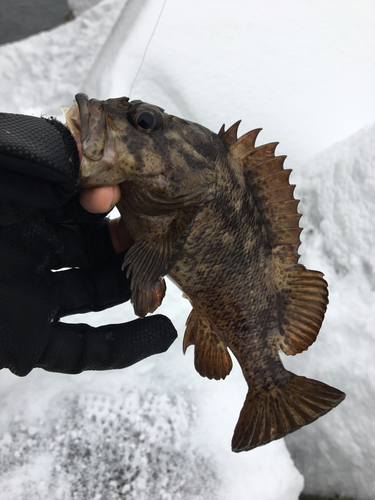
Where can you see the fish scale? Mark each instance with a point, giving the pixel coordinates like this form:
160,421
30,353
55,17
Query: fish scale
217,215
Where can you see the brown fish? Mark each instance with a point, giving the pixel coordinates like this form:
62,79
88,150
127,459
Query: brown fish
217,215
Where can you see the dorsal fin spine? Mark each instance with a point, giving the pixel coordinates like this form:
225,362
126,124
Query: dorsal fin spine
265,152
229,136
221,131
247,141
269,167
282,236
275,196
283,208
283,222
271,181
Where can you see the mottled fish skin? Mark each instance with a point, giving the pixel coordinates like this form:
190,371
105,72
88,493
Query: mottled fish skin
218,216
233,283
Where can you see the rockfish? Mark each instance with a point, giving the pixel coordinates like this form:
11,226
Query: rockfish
217,215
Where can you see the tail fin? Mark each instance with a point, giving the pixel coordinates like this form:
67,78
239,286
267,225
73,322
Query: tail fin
270,415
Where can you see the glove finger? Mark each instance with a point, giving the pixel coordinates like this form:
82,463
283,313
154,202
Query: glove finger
81,290
83,245
73,348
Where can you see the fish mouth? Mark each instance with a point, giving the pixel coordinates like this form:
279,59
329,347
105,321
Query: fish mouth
92,120
92,124
94,143
82,101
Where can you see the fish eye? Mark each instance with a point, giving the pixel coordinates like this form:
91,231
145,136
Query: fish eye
146,119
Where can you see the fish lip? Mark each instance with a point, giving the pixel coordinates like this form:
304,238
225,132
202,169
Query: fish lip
83,107
93,126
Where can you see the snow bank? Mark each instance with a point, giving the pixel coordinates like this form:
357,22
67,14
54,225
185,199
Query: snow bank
158,426
337,454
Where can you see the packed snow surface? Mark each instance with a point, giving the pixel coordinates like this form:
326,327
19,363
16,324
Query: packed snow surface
305,72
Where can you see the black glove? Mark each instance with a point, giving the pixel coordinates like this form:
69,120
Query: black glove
43,228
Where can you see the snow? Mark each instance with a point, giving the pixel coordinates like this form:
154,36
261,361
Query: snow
305,72
339,214
43,72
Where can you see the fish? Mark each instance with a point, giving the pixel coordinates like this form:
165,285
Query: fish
217,215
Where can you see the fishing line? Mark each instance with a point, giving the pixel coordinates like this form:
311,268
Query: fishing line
147,46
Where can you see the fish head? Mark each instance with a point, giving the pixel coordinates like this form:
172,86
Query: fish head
136,142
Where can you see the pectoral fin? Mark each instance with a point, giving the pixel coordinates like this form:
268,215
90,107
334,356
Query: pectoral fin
147,299
211,356
153,256
170,220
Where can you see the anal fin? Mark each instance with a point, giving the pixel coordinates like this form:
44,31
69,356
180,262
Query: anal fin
211,356
271,414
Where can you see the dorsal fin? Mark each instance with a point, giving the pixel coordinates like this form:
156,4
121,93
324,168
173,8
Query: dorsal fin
302,294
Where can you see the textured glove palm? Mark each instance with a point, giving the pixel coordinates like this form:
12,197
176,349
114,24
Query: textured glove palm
43,229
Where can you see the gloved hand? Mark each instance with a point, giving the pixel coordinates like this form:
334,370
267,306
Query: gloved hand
42,230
